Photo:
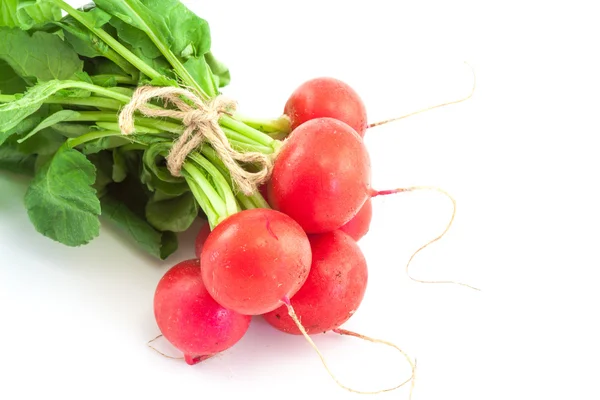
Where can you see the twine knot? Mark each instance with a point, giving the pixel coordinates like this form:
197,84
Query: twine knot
201,124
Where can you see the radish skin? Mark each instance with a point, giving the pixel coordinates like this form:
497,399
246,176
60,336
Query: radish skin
253,259
359,225
190,319
326,97
322,175
333,291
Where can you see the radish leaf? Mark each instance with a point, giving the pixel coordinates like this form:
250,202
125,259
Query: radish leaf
61,202
42,56
159,244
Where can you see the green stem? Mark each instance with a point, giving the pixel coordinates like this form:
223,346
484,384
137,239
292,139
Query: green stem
88,137
164,126
212,156
92,101
281,124
96,89
254,201
248,131
114,126
238,141
110,41
238,137
122,79
93,116
133,146
217,203
122,63
7,98
245,201
122,90
203,200
259,201
219,180
110,121
245,147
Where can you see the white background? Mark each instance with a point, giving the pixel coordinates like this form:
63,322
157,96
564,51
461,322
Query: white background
520,158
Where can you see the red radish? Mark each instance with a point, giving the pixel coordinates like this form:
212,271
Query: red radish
254,259
201,238
190,319
326,97
322,175
358,226
334,289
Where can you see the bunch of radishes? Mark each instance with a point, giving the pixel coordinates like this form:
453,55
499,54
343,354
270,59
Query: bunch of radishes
300,255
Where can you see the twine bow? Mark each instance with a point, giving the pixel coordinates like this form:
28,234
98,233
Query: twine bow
201,122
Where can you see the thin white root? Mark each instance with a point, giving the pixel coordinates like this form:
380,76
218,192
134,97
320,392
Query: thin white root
387,121
437,189
149,344
294,317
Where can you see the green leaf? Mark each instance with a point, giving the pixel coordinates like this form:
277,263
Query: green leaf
53,119
13,160
105,80
154,162
27,14
175,215
83,41
61,202
158,244
169,244
103,66
24,125
42,56
200,71
156,176
140,44
103,164
83,77
8,13
10,82
173,29
87,44
47,142
71,130
41,161
170,21
36,14
220,70
119,171
104,143
14,112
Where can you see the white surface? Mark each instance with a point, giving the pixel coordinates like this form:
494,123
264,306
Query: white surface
519,157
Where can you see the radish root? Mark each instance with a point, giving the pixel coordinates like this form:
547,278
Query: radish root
442,191
149,344
296,320
387,121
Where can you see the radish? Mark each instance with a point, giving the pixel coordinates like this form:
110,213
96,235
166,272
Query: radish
190,319
358,226
322,175
326,97
201,238
254,259
333,290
